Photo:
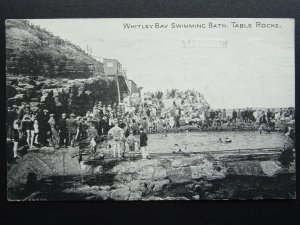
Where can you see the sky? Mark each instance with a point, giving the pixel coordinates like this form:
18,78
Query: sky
234,67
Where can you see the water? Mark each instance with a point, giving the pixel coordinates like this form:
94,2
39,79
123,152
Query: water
209,141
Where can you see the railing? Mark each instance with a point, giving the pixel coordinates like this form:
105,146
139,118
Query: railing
270,151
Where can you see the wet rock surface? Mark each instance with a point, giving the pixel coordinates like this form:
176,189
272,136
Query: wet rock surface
194,177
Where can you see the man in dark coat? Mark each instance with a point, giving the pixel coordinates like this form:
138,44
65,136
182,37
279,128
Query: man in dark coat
143,144
234,115
44,128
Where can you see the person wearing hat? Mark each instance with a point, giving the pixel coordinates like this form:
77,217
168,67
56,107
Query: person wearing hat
54,138
72,129
63,131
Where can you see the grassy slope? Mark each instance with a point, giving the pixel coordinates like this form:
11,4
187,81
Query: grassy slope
33,51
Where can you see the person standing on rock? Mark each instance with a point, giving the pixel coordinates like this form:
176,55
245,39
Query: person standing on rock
234,115
131,140
36,130
93,134
122,142
63,131
28,126
44,128
72,129
17,128
143,144
115,133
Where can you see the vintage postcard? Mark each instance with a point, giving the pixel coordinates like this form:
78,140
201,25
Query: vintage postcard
150,109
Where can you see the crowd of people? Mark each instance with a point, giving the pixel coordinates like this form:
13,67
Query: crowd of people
124,122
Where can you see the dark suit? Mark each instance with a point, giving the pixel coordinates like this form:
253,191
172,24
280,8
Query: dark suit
143,139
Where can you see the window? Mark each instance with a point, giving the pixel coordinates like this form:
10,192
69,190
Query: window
109,64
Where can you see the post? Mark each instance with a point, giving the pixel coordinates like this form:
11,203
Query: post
119,95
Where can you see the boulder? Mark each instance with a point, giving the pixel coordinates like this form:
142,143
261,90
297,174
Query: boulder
104,187
123,177
137,185
119,185
245,168
44,164
180,174
120,193
147,173
95,188
270,168
160,173
196,197
135,196
156,186
104,195
208,171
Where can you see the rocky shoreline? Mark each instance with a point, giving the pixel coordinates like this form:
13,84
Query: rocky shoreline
58,175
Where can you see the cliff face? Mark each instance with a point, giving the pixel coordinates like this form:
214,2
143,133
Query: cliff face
61,95
32,51
42,68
